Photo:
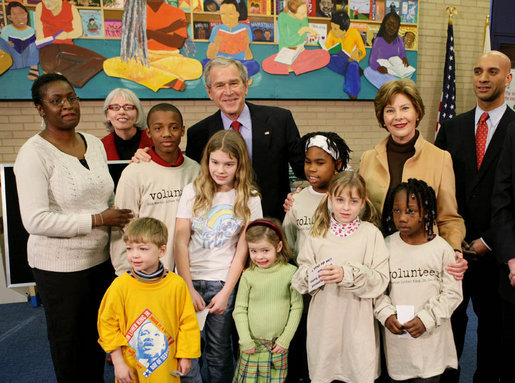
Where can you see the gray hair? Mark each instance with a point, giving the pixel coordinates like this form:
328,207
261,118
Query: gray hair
224,62
130,96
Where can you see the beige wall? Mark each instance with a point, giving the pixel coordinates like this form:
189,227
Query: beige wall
354,120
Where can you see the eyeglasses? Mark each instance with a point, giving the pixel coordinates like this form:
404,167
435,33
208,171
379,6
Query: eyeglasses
60,101
125,107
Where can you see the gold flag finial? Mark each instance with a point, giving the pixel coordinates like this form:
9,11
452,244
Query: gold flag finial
451,11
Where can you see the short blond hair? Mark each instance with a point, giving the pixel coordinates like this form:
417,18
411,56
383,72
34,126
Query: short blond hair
146,230
403,86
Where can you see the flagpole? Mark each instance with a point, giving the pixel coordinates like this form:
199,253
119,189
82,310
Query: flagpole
486,35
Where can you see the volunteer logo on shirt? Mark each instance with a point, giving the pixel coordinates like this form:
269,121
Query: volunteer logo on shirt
399,275
217,226
150,342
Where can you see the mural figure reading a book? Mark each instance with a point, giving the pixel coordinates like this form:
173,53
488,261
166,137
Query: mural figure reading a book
292,56
388,59
231,38
347,49
152,34
57,24
18,40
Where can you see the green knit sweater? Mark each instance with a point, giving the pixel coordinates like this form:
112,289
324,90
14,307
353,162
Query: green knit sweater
267,307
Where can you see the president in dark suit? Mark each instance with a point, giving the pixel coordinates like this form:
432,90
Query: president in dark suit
475,139
503,205
270,133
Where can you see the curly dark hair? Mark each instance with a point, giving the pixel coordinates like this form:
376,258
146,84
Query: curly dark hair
334,141
426,202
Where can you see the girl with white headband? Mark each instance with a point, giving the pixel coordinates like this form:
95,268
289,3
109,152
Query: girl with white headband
326,154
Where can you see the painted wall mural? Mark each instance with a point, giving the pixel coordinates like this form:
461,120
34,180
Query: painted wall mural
292,49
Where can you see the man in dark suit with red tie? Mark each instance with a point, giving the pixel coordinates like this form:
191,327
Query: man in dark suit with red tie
475,139
270,133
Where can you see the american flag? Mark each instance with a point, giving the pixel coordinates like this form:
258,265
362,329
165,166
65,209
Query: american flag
447,108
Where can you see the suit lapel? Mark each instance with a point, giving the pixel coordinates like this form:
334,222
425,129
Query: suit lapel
217,123
261,133
494,146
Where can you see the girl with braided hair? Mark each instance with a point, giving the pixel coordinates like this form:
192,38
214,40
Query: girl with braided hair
418,281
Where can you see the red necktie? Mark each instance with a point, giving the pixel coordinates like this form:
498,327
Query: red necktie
481,135
235,125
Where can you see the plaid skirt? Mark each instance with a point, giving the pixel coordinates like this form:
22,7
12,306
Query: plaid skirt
262,366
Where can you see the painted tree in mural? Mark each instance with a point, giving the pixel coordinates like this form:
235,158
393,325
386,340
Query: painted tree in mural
152,34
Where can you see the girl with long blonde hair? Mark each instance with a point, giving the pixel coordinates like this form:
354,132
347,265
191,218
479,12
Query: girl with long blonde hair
342,342
210,246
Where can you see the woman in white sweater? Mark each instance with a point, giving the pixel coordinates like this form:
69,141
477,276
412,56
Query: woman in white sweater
65,190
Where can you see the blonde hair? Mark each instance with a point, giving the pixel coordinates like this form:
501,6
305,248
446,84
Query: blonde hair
146,230
269,230
293,5
346,179
230,142
403,86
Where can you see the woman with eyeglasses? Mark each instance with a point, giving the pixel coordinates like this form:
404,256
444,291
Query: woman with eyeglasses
65,191
125,119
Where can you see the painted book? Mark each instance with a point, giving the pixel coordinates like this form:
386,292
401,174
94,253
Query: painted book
211,5
201,30
409,34
88,3
409,11
91,22
360,9
259,7
116,4
311,7
262,31
393,6
320,38
233,42
113,28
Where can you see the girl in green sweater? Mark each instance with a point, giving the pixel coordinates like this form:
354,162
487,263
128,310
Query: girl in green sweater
267,310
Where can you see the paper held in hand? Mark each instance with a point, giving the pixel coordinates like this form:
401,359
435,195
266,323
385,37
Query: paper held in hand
201,317
314,281
288,56
396,67
405,313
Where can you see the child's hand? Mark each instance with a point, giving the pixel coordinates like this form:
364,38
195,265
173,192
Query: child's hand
198,302
393,325
415,327
382,69
219,303
122,372
405,61
183,365
250,351
279,350
331,274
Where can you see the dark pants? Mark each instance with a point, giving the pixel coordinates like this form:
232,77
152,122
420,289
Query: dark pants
508,341
480,286
71,301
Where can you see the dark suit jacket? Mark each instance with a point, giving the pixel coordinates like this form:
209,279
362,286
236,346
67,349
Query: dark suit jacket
473,186
503,205
274,145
